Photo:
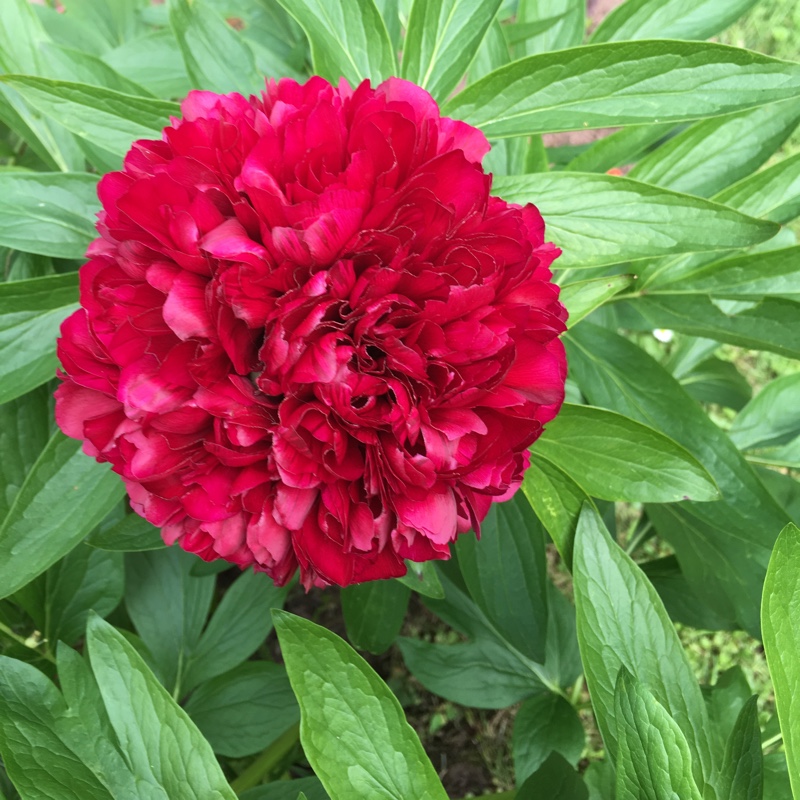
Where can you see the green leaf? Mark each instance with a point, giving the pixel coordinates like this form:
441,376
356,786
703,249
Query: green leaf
776,778
239,625
374,613
566,31
669,19
780,620
583,297
714,153
117,21
349,715
622,624
107,118
422,578
771,324
600,220
64,496
654,761
48,213
545,723
217,58
557,779
245,710
441,40
506,574
616,458
132,534
168,607
622,147
772,417
288,790
725,701
718,381
625,83
348,39
160,741
742,770
30,707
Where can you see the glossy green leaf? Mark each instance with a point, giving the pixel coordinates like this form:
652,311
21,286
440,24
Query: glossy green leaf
422,578
441,41
48,213
374,613
725,701
168,607
116,22
772,417
566,31
780,620
718,381
107,118
622,624
288,790
349,714
348,39
245,710
625,83
613,457
545,723
599,220
776,778
131,535
30,708
556,780
669,19
654,761
239,625
583,297
64,496
742,770
557,500
506,573
623,147
217,58
714,153
161,743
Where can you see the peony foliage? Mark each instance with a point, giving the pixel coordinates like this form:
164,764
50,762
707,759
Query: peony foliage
306,294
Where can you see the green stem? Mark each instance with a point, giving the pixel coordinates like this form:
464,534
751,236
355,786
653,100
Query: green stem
639,538
268,760
778,737
14,637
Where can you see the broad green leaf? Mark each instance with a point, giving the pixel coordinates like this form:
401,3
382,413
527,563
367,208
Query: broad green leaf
725,701
48,213
583,297
600,779
441,40
623,147
654,761
64,496
555,780
245,710
518,32
24,431
110,119
599,220
348,39
117,21
288,790
217,58
618,84
506,574
771,324
669,19
718,381
349,715
613,457
622,624
168,607
545,723
30,707
772,417
422,578
132,534
21,36
742,770
374,613
567,30
161,743
714,153
557,500
746,277
65,29
780,620
239,625
776,778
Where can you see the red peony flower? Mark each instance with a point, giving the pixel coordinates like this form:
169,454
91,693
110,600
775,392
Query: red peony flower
309,336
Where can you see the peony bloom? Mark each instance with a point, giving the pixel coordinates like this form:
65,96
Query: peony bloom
309,336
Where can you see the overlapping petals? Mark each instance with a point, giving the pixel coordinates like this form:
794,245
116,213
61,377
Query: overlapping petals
309,336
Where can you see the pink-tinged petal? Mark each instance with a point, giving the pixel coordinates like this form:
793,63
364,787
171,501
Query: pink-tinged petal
538,373
292,506
75,405
434,515
185,309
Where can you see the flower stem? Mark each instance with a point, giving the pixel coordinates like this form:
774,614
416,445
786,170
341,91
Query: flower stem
268,760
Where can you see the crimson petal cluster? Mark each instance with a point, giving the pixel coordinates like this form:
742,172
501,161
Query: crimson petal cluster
309,336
